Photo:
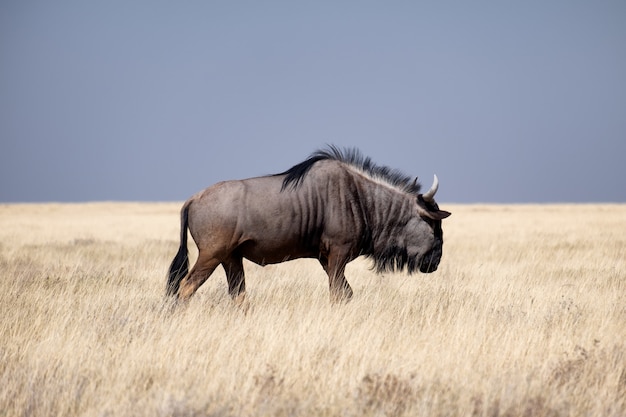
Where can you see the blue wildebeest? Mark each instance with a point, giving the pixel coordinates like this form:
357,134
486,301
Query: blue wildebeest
335,206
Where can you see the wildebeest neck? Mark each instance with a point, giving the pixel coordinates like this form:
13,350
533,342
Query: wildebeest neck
387,213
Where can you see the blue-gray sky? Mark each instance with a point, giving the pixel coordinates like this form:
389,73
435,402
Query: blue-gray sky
155,100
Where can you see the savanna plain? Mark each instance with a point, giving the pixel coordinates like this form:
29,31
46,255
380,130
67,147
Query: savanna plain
526,316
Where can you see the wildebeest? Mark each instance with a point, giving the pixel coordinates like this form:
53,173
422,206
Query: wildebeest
334,206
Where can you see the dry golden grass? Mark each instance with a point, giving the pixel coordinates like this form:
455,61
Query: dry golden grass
525,317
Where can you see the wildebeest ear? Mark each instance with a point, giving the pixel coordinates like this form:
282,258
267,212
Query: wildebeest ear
441,214
435,215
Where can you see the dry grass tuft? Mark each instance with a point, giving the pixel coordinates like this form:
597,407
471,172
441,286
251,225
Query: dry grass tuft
526,317
386,395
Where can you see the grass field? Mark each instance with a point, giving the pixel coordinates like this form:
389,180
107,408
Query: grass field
526,316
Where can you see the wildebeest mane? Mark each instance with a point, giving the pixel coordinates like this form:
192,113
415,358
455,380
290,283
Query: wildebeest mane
352,157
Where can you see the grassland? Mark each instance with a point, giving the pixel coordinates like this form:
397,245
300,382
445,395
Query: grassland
525,317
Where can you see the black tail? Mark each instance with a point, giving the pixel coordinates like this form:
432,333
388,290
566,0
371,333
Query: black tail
180,264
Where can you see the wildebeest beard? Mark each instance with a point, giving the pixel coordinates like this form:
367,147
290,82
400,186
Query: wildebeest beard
395,258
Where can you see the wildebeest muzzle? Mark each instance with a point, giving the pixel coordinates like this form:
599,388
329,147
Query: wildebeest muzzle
430,260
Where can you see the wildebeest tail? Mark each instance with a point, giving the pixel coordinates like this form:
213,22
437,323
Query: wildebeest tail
180,264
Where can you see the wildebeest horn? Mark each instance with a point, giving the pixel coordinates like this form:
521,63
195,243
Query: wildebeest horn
430,194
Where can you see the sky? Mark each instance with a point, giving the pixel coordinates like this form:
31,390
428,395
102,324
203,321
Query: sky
507,102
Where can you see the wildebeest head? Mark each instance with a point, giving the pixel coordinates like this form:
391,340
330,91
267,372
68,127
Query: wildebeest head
432,216
420,247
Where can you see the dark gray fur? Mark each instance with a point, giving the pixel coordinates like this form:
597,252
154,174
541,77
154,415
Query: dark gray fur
334,206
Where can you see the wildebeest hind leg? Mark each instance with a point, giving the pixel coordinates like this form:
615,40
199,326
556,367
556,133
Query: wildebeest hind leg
201,271
235,276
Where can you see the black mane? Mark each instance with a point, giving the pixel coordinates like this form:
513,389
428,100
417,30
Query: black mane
355,158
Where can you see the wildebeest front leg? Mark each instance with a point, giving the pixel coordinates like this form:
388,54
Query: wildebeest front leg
235,277
335,266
